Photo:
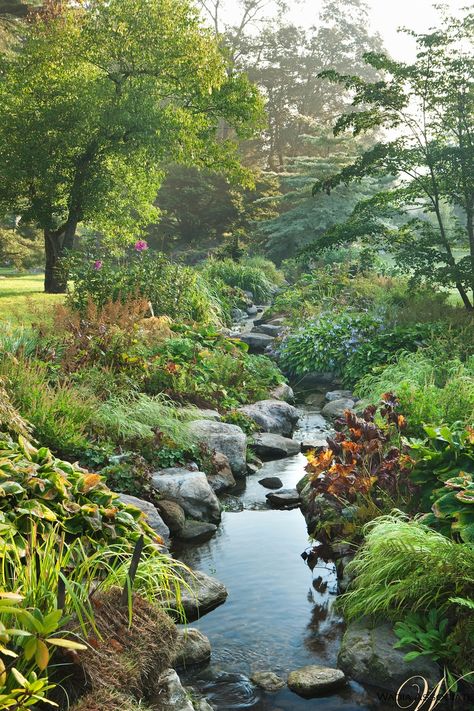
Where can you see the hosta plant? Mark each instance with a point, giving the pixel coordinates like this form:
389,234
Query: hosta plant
35,485
444,471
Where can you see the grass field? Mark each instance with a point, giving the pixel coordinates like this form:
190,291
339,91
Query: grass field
22,299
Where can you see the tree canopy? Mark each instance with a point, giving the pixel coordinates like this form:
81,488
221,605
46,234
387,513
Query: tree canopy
93,105
426,108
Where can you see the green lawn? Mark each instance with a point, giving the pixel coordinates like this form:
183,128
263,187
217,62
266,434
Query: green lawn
22,299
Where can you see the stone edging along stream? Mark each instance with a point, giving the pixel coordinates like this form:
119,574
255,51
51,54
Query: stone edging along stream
188,510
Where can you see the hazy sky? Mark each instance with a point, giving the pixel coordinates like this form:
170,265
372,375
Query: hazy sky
388,15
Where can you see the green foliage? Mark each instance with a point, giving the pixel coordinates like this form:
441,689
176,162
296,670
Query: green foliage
326,344
172,289
207,369
431,387
444,469
428,633
242,275
417,219
383,348
87,118
23,682
234,417
406,566
141,418
37,485
60,417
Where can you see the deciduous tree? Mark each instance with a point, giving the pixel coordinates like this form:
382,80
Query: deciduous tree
96,101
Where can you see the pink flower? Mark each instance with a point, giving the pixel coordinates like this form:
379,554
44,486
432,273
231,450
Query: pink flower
98,264
141,245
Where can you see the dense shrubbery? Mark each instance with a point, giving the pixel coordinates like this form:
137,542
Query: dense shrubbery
405,567
326,344
254,276
173,290
432,388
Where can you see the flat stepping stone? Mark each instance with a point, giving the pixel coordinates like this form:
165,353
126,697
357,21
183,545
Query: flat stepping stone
271,482
197,531
286,498
315,680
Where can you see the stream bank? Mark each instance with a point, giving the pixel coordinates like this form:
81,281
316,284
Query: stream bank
279,615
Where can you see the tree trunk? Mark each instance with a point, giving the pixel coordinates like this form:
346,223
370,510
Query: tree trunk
56,245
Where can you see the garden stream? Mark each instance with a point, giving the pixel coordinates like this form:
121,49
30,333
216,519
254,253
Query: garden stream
279,614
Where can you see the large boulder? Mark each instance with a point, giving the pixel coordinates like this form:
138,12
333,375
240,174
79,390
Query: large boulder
257,342
221,479
192,648
154,519
273,416
269,329
173,696
283,392
200,595
336,408
272,446
190,490
367,655
172,514
315,680
225,438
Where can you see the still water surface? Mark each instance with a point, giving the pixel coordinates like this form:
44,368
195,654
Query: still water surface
279,614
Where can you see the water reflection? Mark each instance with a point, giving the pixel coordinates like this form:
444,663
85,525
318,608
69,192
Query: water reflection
280,611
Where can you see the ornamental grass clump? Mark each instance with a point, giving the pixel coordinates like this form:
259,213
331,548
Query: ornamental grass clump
405,565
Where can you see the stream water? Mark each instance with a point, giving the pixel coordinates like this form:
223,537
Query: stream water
279,614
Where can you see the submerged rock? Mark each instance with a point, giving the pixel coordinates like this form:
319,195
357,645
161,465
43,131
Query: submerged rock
225,438
172,695
314,680
367,655
192,648
201,594
273,446
154,519
285,498
197,531
271,482
336,408
191,490
273,416
268,680
172,514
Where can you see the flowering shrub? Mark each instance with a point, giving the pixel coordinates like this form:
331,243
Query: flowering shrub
172,289
326,344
